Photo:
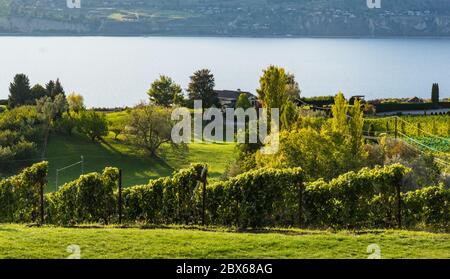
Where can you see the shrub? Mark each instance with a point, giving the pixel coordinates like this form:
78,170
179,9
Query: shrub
164,200
90,198
428,207
355,200
19,194
263,197
7,201
20,131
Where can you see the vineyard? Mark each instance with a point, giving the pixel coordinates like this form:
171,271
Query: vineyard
413,126
424,134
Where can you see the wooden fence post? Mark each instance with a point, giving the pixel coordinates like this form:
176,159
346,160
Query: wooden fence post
396,128
41,194
120,196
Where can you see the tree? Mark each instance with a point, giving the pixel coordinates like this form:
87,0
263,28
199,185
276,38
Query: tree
37,92
19,91
49,110
435,93
339,111
293,88
54,88
307,148
356,128
278,90
288,115
20,130
49,87
118,126
93,124
201,88
58,89
243,101
149,127
273,87
76,102
165,92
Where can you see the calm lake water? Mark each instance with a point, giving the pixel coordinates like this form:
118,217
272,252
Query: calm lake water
117,71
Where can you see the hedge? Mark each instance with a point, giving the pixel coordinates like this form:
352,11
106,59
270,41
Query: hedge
90,198
428,207
270,197
319,101
19,194
164,200
387,107
369,198
364,199
264,197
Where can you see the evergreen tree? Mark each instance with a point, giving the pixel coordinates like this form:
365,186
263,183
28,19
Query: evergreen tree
273,88
339,111
54,88
37,92
356,124
165,92
58,89
19,91
49,87
435,93
201,87
279,89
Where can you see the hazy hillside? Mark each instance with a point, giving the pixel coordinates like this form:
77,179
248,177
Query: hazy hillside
228,17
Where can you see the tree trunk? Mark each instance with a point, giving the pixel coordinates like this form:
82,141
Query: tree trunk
46,135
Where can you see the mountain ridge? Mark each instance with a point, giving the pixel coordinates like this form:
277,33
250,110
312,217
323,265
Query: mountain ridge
253,18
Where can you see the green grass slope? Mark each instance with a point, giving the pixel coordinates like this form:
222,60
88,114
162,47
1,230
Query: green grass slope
19,241
137,168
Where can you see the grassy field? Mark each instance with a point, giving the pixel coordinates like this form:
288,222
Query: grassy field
137,168
19,241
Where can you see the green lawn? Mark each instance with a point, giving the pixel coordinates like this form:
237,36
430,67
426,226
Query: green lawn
137,168
19,241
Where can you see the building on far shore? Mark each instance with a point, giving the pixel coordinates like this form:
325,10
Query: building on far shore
228,98
415,100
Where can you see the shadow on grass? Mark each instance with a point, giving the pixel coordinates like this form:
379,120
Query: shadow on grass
293,231
66,150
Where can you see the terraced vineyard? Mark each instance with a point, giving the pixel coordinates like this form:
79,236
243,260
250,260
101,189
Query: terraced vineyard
438,144
430,134
412,126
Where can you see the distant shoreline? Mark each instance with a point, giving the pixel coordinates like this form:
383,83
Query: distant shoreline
218,36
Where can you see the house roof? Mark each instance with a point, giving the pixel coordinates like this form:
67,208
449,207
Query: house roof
414,100
232,94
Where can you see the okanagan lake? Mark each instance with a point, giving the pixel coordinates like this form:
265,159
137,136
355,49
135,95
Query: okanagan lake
117,71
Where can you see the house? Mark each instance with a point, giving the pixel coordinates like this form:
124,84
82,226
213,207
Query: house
415,100
360,98
228,98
